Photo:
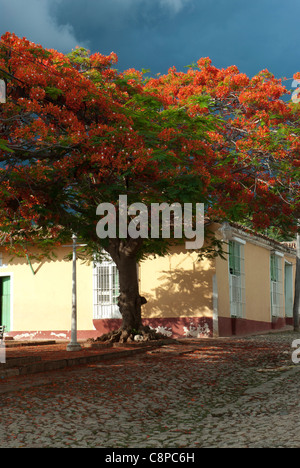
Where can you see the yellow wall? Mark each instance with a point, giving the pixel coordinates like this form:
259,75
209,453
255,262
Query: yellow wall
257,282
177,285
43,301
223,287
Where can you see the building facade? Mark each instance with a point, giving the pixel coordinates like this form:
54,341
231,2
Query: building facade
250,291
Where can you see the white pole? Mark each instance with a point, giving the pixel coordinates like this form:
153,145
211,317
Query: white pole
74,345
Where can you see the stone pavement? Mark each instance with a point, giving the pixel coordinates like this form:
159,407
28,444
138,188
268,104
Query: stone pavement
239,392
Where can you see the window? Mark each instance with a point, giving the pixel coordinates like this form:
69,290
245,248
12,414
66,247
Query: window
236,279
276,285
106,290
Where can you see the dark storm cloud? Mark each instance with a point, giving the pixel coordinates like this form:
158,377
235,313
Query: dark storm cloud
137,30
157,34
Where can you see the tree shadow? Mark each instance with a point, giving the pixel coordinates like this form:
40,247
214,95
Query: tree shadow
181,296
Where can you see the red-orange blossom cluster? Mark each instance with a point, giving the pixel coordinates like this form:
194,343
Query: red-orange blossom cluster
74,121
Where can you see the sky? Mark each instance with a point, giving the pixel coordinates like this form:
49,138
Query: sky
159,34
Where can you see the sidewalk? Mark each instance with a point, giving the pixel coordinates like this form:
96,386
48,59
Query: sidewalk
31,357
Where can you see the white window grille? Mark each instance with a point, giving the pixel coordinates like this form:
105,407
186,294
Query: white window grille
106,290
277,309
237,279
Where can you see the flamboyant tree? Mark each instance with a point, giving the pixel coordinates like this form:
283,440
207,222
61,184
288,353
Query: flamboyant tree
75,133
287,174
254,137
260,130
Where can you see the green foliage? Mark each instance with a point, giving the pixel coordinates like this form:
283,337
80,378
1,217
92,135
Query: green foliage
4,146
53,92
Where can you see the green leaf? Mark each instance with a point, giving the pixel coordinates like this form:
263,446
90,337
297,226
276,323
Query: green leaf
4,147
53,92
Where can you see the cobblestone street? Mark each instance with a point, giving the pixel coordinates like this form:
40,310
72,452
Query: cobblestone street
207,393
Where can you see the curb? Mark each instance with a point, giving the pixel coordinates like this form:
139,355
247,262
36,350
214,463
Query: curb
25,366
19,344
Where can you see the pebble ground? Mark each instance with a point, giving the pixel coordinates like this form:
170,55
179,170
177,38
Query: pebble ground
241,393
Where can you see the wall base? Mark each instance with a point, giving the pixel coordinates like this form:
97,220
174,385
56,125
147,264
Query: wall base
181,327
229,326
56,335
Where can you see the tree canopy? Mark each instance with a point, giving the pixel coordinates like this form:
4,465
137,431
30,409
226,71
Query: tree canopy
75,133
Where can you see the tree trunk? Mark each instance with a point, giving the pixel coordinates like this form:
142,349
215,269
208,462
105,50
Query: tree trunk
129,300
296,307
124,254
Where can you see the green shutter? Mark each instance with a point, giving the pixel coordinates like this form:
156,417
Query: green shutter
274,269
5,303
231,265
234,258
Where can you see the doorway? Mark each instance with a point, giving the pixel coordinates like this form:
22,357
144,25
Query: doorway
5,302
288,289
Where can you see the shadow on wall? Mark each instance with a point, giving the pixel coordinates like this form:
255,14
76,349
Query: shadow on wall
181,293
